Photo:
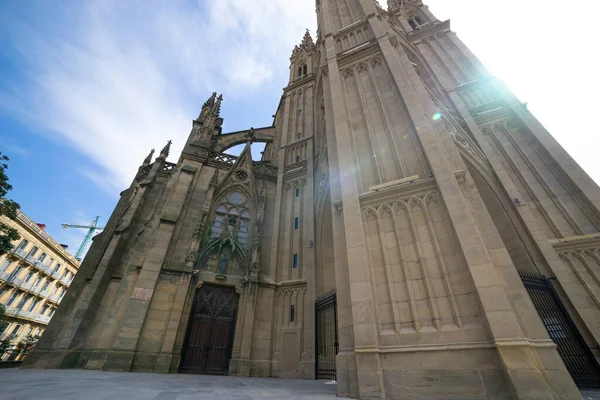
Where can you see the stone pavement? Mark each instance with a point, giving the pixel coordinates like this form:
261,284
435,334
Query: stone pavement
16,384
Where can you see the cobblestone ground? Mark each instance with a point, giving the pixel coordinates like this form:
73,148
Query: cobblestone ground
18,384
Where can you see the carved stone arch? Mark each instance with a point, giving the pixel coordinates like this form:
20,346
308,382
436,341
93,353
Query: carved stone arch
375,61
432,197
593,253
400,204
360,67
565,257
228,140
414,200
383,209
352,39
230,188
370,212
487,130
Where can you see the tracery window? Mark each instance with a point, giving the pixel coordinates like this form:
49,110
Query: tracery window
232,211
416,22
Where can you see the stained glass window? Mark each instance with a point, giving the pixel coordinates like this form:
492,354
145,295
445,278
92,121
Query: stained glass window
232,210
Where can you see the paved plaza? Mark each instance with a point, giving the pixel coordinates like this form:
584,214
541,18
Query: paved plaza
19,384
77,384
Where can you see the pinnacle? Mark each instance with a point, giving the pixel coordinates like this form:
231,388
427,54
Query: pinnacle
149,157
307,40
164,153
211,100
217,106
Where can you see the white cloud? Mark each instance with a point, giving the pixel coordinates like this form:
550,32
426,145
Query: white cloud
112,79
116,78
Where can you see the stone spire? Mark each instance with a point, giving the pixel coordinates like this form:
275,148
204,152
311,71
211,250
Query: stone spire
208,104
164,153
307,44
148,158
307,41
217,106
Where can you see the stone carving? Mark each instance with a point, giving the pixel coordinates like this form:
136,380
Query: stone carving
223,265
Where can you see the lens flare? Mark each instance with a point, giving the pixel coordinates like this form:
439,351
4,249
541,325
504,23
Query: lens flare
437,116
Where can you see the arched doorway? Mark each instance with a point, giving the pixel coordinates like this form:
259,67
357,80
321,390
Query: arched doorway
209,338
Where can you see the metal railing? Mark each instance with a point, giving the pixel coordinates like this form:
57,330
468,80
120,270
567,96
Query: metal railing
15,312
20,252
65,280
55,298
4,276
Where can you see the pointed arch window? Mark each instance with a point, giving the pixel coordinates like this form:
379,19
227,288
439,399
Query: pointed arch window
416,22
302,70
233,213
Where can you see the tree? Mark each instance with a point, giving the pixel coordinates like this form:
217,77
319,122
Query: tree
4,344
9,208
27,344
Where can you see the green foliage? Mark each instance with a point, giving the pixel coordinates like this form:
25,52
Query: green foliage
8,208
4,344
27,344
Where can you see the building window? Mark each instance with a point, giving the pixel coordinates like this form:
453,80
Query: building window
16,328
32,252
15,272
45,286
52,312
57,268
42,258
295,265
415,22
37,281
299,113
22,245
44,310
12,298
297,192
232,213
24,300
33,305
292,313
4,265
299,135
297,158
29,275
302,70
296,223
49,263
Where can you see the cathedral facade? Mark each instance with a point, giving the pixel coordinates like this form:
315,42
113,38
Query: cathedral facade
411,231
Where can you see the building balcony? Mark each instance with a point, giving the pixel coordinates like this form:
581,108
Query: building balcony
65,281
29,315
4,276
18,253
54,298
45,268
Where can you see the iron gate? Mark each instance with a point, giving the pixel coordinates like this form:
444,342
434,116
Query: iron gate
326,336
573,350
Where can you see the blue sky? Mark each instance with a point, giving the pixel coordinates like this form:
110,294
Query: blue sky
88,87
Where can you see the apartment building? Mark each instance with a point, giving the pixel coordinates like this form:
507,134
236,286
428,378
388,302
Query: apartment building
34,277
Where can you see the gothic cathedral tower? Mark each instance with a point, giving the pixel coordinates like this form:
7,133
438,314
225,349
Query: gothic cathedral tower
410,230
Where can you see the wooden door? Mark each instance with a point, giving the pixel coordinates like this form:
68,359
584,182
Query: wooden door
209,339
